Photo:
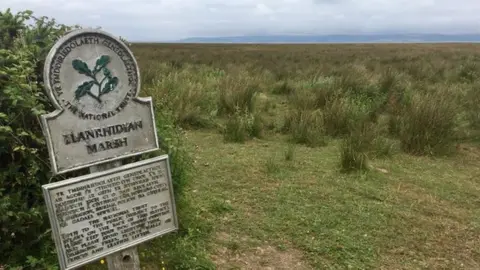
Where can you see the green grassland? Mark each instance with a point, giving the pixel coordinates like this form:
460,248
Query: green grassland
358,156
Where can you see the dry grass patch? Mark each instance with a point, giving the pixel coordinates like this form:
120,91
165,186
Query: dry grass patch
242,253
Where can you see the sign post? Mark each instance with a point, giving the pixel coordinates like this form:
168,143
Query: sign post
93,80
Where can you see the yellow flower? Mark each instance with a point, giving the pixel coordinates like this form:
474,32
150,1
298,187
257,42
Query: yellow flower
102,261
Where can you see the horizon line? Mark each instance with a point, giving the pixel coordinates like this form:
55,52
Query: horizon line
211,39
313,42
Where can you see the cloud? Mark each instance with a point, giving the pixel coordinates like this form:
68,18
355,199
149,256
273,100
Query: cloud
160,20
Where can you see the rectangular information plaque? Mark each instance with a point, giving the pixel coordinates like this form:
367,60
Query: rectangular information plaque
98,214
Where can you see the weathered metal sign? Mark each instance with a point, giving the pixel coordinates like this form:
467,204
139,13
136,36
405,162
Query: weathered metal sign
102,213
93,80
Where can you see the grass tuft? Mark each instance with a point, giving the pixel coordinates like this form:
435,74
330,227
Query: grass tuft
272,166
282,88
428,124
243,126
305,127
355,148
237,93
290,152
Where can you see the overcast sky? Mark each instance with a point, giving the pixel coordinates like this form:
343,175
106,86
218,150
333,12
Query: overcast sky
164,20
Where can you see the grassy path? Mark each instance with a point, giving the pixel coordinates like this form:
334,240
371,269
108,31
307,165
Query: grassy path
407,213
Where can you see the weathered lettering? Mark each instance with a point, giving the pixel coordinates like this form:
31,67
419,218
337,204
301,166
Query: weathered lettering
99,114
108,131
105,212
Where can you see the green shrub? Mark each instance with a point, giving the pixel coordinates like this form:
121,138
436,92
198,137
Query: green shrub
25,237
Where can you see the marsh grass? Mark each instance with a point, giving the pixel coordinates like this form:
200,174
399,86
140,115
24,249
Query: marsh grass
242,126
383,147
370,103
353,155
306,127
237,92
472,105
428,124
290,152
357,145
272,165
283,88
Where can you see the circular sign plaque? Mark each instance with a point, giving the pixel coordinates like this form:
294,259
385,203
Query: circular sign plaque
92,74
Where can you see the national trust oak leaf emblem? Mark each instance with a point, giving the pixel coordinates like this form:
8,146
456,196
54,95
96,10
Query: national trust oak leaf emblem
105,86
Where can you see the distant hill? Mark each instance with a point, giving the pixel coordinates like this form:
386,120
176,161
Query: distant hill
374,38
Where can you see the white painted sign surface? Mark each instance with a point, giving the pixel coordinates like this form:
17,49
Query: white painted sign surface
93,80
99,214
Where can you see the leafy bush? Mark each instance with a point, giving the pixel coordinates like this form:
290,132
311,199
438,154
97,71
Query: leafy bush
25,235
